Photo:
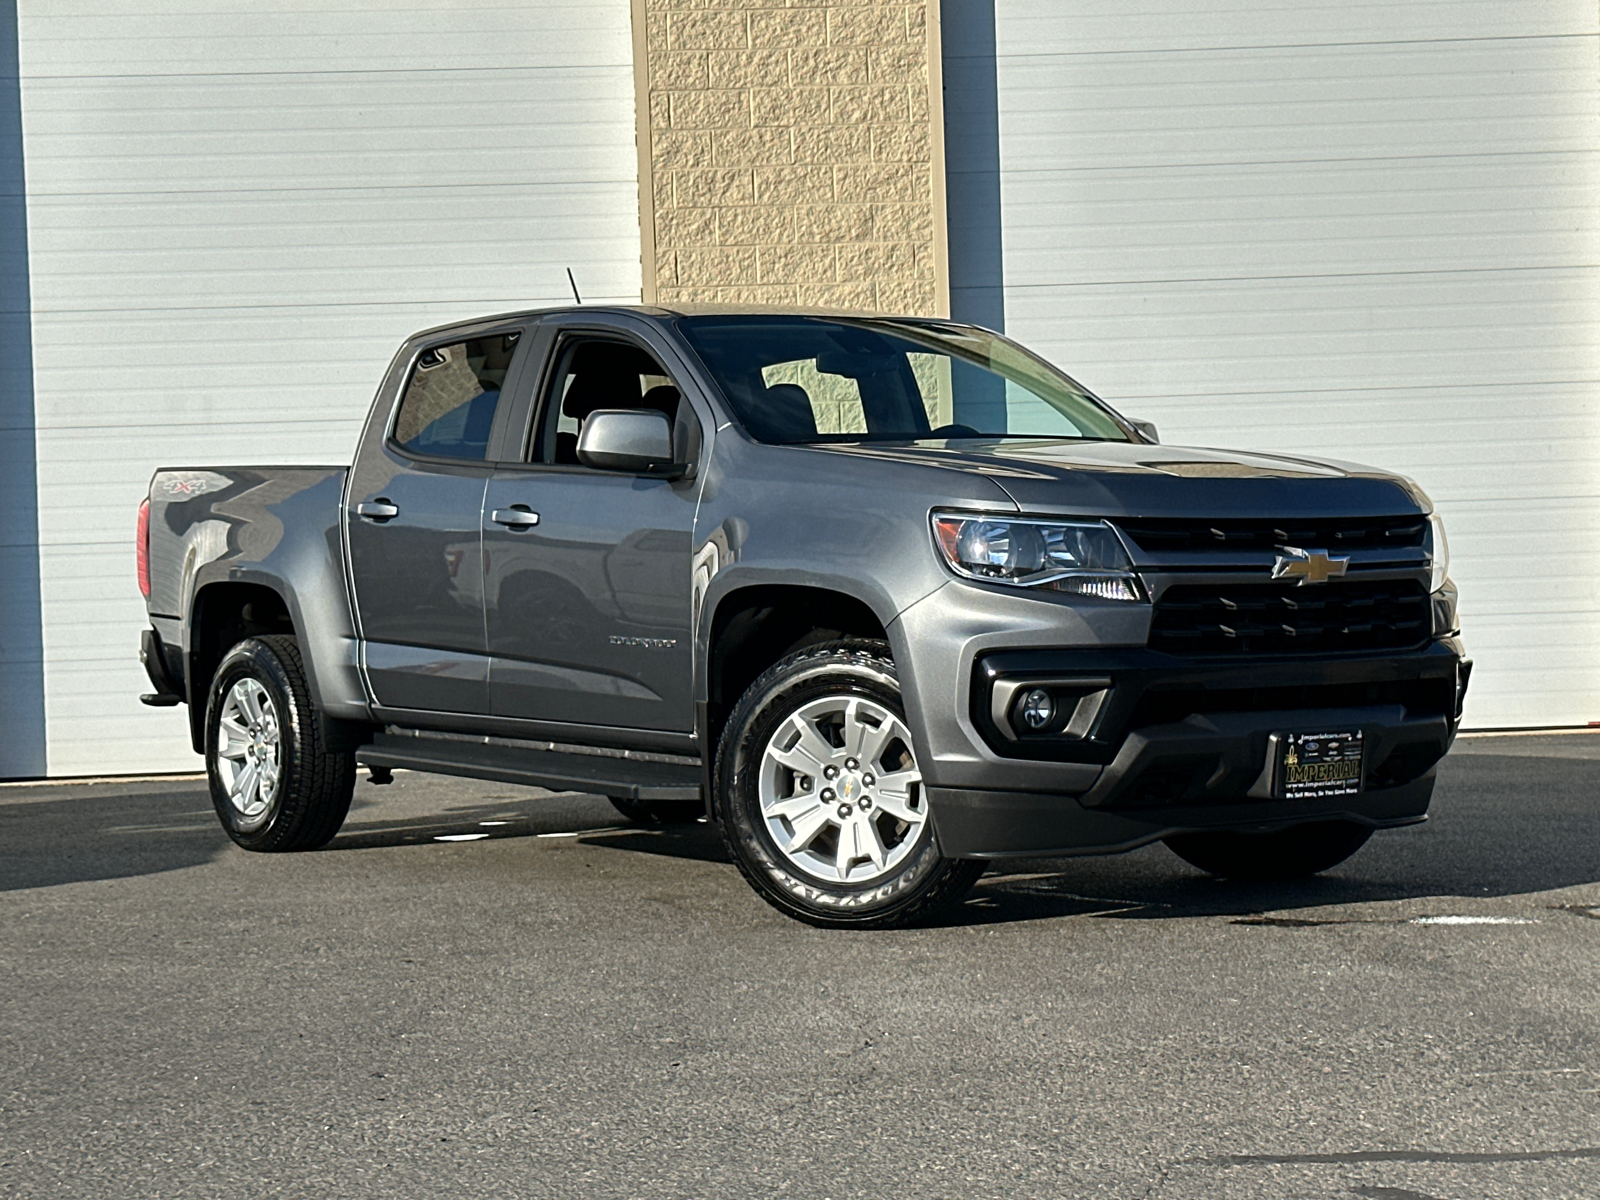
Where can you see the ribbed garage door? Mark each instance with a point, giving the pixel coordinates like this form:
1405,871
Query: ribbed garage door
236,210
1364,230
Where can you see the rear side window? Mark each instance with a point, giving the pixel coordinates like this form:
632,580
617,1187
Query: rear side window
450,399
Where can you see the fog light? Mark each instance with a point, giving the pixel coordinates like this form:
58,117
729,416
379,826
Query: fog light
1038,708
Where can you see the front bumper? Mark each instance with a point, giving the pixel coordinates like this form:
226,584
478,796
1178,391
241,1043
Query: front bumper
1171,746
982,824
1147,743
1181,746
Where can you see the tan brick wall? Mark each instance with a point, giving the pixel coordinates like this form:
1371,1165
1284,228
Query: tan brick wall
789,153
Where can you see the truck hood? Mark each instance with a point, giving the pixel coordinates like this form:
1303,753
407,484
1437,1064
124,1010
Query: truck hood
1126,479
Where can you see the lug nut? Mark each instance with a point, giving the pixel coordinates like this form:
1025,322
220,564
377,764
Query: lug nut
867,779
827,795
844,811
866,803
830,771
850,764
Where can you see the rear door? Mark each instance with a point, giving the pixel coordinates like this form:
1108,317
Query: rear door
587,587
414,521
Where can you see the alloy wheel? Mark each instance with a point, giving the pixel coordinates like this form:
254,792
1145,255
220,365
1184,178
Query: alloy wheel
841,795
250,758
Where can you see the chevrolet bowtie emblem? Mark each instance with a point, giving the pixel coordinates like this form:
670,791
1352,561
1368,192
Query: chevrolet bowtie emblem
1307,566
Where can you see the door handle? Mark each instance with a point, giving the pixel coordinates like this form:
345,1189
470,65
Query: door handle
518,516
378,510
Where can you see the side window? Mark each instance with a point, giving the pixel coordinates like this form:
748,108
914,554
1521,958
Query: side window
596,373
449,402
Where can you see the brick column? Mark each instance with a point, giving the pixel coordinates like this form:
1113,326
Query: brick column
790,154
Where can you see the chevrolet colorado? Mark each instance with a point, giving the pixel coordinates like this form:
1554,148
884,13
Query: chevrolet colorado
884,598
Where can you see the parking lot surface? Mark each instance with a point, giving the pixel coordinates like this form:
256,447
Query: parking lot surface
479,990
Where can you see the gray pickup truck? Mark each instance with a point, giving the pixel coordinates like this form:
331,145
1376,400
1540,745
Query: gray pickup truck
885,599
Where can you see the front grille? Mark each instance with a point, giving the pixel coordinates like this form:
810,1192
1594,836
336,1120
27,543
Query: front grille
1276,618
1354,533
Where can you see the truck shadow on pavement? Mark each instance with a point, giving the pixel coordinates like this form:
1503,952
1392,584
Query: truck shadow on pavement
1501,825
699,842
105,832
63,834
590,820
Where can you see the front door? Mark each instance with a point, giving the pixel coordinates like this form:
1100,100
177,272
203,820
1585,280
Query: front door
588,606
415,529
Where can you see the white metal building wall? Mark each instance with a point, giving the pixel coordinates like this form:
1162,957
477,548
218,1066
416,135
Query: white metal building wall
236,210
1365,230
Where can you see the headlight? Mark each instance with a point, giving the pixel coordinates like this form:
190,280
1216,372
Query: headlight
1438,552
1085,557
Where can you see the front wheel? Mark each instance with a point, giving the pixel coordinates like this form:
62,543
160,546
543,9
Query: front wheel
820,798
1292,853
275,782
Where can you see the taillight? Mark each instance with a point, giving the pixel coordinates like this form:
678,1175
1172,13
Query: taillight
141,547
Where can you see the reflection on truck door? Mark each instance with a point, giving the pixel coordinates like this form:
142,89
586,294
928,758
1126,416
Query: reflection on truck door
415,531
588,610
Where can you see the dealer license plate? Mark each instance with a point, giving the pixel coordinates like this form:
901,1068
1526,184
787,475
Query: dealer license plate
1315,766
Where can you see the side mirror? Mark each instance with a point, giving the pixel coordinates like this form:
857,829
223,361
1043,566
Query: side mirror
1147,430
636,440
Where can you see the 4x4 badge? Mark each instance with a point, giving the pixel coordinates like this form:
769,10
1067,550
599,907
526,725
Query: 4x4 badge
1307,566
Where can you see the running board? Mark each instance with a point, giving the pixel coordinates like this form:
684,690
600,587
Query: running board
603,774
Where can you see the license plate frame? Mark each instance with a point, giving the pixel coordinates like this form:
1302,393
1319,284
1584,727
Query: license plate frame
1321,765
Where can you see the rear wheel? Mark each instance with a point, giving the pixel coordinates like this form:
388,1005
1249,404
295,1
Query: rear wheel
659,812
820,798
1291,853
275,782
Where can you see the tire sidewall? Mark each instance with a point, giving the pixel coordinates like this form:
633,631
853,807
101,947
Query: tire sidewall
769,702
254,659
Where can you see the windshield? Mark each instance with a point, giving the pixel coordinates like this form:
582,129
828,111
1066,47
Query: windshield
827,379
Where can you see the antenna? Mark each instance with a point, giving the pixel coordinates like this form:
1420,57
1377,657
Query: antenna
574,284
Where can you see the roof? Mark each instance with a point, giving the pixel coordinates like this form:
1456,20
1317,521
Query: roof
663,312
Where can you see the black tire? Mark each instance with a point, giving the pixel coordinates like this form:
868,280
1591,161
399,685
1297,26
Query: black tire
659,812
314,782
913,889
1292,853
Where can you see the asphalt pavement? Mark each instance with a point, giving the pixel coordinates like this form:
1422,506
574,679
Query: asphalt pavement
486,991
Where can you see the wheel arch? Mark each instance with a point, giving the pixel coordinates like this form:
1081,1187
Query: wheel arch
222,614
754,626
